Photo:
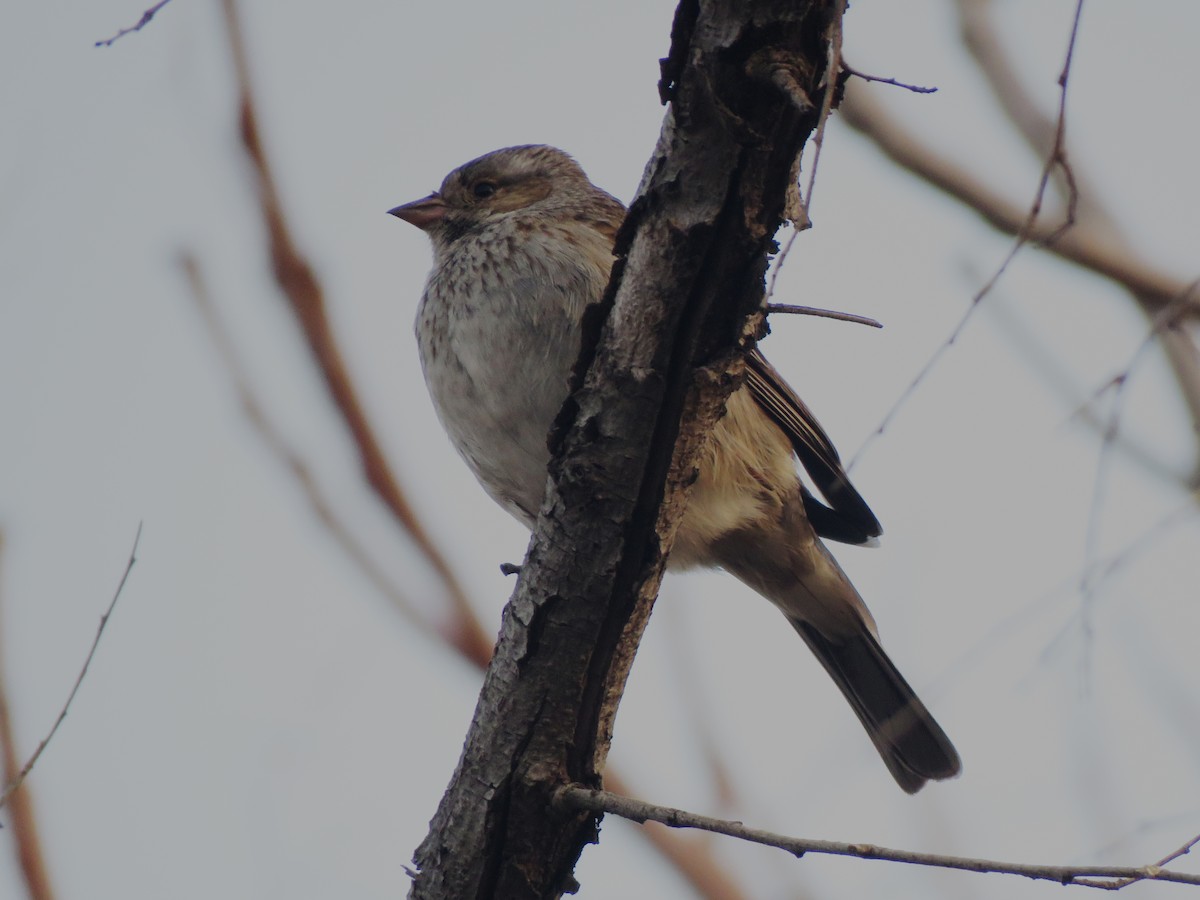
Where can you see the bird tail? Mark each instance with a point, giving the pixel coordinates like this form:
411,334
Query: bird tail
912,744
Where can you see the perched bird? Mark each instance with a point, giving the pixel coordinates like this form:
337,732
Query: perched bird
522,244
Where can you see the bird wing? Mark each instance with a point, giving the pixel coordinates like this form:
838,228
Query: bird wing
847,518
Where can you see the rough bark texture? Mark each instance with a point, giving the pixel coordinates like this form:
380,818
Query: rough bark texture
663,351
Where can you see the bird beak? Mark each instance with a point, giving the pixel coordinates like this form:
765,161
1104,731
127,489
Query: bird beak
423,213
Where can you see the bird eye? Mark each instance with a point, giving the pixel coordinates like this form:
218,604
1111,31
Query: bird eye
484,189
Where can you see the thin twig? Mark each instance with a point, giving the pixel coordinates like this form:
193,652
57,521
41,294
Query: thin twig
1039,132
578,797
15,783
1109,885
698,867
1027,232
1054,374
833,65
21,812
1083,245
915,88
1164,319
1104,568
141,23
793,310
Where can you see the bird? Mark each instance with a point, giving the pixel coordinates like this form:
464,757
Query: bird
522,245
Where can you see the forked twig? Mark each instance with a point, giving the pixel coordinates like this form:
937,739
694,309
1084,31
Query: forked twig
1056,160
578,797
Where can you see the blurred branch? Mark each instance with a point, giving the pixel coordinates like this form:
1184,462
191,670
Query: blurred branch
1165,318
691,858
1081,245
277,444
697,710
141,23
1040,133
1052,373
21,813
298,283
13,783
574,796
1104,568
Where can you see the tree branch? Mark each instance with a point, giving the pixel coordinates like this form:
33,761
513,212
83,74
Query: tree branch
579,797
22,816
659,360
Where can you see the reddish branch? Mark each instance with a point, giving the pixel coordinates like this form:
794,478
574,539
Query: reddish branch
1082,245
22,818
14,796
299,285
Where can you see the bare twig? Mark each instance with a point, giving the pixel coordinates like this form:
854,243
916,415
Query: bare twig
1106,882
791,309
298,282
700,869
1102,569
800,217
141,23
1039,130
1082,245
915,88
15,783
1164,319
830,80
1053,373
20,808
578,797
1027,231
1040,133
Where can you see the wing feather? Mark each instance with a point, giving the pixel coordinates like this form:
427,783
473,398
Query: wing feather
847,518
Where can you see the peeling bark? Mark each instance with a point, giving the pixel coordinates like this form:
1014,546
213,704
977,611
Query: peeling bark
662,353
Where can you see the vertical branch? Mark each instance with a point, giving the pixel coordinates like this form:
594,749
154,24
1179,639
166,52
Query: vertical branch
299,284
22,817
686,288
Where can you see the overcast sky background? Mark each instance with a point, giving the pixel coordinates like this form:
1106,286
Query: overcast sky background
259,722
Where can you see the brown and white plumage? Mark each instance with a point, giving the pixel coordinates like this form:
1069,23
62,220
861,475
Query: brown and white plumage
522,244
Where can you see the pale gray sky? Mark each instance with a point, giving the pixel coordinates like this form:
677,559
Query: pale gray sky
260,723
